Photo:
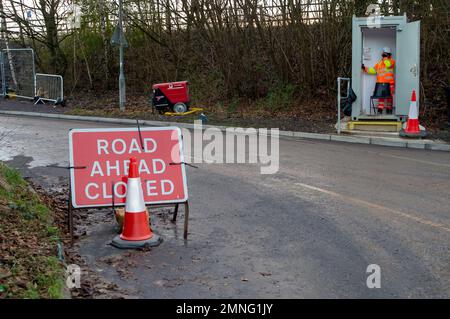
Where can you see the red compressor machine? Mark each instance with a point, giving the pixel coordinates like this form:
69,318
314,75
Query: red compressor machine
171,97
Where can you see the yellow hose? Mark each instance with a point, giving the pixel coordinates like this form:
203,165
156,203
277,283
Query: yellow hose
191,111
11,95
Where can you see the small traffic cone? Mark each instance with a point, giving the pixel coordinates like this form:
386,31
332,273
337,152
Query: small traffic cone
413,128
136,231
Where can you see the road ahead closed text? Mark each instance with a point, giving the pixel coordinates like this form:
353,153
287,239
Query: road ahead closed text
100,158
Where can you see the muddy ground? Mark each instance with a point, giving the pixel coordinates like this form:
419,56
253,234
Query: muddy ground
92,285
122,263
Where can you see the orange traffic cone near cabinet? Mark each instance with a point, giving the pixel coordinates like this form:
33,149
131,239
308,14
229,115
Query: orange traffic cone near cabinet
412,128
136,231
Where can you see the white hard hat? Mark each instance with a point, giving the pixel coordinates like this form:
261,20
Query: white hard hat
387,50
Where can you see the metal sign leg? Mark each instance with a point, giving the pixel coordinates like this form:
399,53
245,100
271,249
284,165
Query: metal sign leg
175,213
70,215
186,220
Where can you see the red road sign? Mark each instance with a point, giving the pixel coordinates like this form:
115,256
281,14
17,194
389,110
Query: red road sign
105,154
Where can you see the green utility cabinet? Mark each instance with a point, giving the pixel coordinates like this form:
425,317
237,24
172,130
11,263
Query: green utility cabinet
368,40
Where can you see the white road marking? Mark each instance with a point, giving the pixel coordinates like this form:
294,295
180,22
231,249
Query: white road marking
411,159
376,206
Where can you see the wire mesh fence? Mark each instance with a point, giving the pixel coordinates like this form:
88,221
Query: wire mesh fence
18,78
18,73
2,80
178,14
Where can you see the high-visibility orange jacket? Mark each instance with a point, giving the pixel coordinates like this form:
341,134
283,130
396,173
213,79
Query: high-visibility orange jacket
384,71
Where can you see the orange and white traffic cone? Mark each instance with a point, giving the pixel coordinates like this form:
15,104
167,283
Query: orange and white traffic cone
413,128
136,231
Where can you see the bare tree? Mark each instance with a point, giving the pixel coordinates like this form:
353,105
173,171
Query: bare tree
43,29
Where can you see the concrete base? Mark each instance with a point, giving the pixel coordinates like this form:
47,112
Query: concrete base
371,133
421,134
378,117
153,241
375,126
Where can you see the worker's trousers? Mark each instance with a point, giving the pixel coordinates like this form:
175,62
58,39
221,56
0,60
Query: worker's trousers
389,102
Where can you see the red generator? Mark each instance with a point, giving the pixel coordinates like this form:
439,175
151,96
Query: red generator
171,97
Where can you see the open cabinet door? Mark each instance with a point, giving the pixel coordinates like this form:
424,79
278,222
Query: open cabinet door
407,69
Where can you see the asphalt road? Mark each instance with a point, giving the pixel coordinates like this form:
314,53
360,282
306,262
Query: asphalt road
309,231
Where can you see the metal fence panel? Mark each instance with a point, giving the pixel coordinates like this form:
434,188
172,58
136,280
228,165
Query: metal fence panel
19,73
2,75
49,87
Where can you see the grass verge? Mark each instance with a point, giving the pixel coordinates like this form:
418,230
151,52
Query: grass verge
29,267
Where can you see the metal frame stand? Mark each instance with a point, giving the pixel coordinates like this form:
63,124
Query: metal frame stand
70,214
70,208
186,217
339,97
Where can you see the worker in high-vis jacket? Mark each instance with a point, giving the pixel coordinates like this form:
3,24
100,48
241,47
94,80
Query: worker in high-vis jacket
384,70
